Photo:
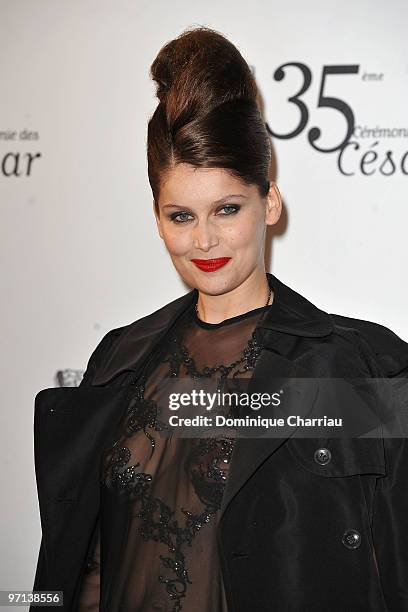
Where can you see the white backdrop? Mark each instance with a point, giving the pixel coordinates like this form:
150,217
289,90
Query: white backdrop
76,208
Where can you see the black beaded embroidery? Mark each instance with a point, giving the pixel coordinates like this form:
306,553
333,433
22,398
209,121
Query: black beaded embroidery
179,355
208,483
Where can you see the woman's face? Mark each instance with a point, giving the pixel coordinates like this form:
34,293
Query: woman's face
207,213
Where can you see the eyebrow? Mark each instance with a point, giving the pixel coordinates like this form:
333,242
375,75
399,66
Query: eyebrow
220,201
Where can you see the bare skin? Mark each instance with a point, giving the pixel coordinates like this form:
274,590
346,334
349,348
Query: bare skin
194,224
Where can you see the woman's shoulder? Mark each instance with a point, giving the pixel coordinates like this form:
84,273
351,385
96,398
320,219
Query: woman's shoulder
118,344
100,351
334,344
375,342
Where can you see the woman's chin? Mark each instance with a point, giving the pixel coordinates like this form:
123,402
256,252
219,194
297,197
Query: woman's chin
213,283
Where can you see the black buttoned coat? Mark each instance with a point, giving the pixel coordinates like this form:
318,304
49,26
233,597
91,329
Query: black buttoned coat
306,524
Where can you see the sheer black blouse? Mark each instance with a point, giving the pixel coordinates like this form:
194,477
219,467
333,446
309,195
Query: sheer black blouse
161,494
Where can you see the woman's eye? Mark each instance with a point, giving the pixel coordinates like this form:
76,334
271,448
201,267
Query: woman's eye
233,208
175,218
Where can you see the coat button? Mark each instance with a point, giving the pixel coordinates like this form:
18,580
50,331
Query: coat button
322,456
351,538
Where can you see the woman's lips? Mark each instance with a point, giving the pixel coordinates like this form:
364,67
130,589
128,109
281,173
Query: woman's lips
209,265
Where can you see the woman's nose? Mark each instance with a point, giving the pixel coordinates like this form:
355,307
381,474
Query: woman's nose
204,236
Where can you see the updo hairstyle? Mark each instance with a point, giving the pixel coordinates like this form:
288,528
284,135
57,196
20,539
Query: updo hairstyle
208,115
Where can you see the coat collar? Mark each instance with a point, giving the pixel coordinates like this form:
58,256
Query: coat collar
291,314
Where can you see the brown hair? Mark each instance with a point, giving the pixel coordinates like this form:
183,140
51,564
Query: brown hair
208,114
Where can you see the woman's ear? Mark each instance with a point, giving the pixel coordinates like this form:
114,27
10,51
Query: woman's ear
273,204
157,217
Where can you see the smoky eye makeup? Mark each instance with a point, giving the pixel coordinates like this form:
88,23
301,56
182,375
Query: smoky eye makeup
175,216
230,208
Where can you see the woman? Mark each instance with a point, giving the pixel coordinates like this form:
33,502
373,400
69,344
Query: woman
134,519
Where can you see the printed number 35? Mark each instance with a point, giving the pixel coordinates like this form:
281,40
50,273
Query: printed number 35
314,133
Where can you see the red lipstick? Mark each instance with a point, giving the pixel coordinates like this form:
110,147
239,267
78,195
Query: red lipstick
209,265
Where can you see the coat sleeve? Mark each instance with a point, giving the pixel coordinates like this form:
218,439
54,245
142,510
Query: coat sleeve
390,510
387,359
42,572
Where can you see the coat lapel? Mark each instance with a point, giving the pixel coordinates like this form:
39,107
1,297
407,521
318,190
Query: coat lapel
273,372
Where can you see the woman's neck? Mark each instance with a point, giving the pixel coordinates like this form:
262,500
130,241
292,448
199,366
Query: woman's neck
250,294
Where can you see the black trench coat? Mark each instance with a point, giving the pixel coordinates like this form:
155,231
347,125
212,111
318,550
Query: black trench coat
297,533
